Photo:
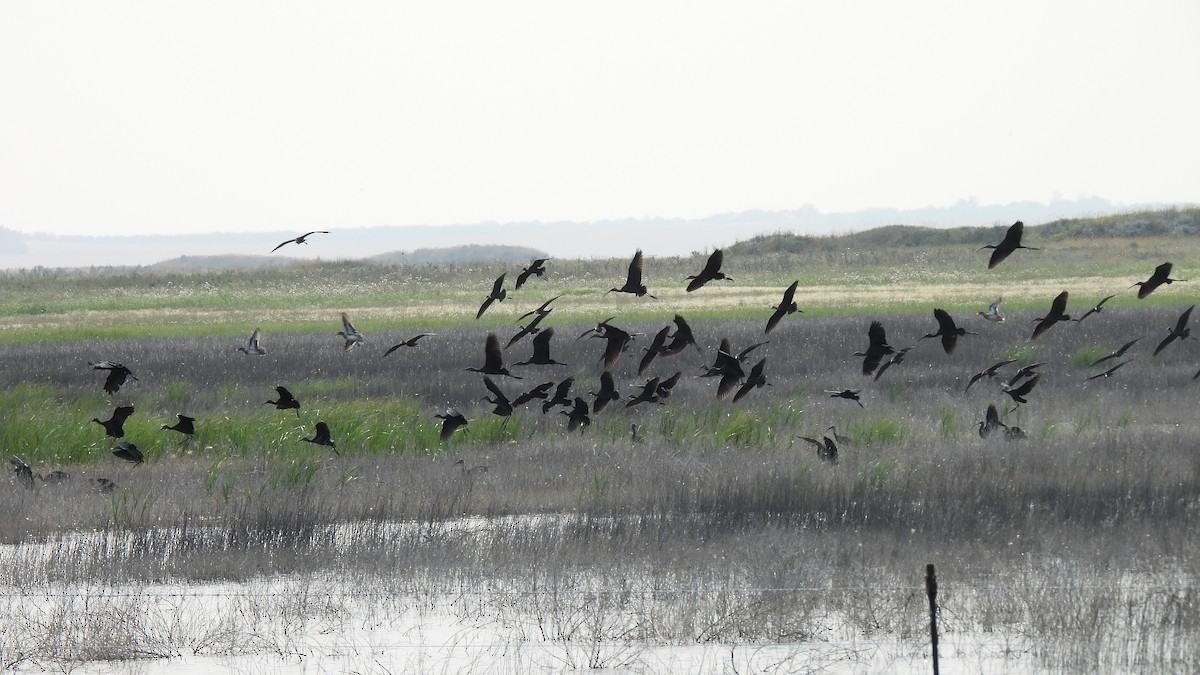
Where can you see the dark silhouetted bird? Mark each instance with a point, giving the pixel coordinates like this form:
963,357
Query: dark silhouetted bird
1010,243
411,342
680,339
728,366
561,395
1117,354
993,312
115,426
541,351
577,416
665,387
285,400
990,422
1024,371
990,371
302,239
321,436
1056,314
607,394
537,268
711,272
452,421
128,452
541,311
1095,310
503,407
648,394
493,359
656,347
497,295
898,357
252,347
117,375
1179,331
633,280
541,391
827,449
848,394
530,328
756,379
1019,393
1162,275
616,341
877,348
1108,373
185,425
349,333
947,330
785,307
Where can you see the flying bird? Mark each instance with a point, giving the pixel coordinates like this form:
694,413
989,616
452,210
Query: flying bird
607,394
537,268
827,449
785,307
1010,243
993,312
947,330
117,375
655,348
616,341
252,348
541,311
711,272
497,295
541,351
1162,275
876,349
1179,331
115,425
665,387
1018,394
302,239
898,357
990,371
1109,372
321,437
561,395
452,421
1056,314
410,342
848,394
756,379
680,339
285,400
504,407
648,394
577,416
128,452
185,425
990,422
633,280
1117,354
541,391
349,333
530,328
1024,371
493,359
1095,310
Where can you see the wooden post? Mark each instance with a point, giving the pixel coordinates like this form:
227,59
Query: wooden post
931,590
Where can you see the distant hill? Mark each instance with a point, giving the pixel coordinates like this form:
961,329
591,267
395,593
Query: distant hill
218,263
460,254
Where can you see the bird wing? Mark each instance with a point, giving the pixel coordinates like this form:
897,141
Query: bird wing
498,285
994,308
876,335
281,245
493,359
1181,324
945,322
789,293
487,302
254,338
487,382
1058,308
122,413
634,277
347,326
776,317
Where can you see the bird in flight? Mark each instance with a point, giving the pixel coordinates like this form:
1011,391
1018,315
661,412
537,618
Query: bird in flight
993,312
252,348
186,425
115,425
756,378
1179,331
285,400
990,422
947,330
1057,313
990,371
452,421
1108,373
1162,275
1095,310
349,333
117,374
633,280
321,437
848,394
1010,243
785,307
1117,354
877,348
497,295
711,272
827,449
302,239
541,351
410,342
128,452
493,359
536,268
1018,394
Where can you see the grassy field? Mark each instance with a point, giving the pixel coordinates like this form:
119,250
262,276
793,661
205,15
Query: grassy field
1072,549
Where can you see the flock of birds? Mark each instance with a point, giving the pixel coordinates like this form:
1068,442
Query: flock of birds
729,365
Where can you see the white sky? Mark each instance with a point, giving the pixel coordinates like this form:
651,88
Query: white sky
160,116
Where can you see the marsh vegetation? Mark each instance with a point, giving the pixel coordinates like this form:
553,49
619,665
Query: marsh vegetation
716,542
